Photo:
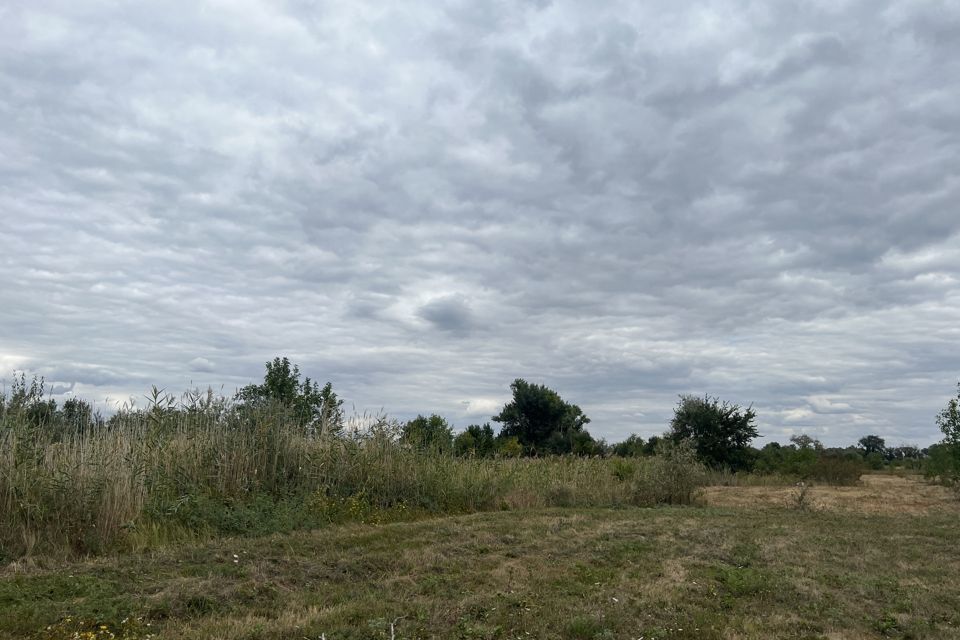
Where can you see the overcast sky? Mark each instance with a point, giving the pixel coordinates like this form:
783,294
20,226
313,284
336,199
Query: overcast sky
422,201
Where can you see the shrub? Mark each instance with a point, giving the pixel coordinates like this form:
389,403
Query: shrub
874,460
673,476
837,470
943,464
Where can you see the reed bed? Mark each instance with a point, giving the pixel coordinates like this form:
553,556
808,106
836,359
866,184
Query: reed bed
149,477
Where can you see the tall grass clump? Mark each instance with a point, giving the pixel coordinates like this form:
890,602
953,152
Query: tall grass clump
202,465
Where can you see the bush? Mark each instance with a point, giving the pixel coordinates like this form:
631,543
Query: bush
673,476
837,470
943,464
874,460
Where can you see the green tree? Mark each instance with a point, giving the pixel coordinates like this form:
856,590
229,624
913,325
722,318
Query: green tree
872,444
720,432
428,433
27,402
633,447
949,420
541,421
948,455
315,408
77,413
652,445
804,442
476,441
583,444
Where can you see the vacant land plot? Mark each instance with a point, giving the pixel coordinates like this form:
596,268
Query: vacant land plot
749,565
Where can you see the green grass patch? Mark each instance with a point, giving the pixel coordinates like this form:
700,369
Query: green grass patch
566,573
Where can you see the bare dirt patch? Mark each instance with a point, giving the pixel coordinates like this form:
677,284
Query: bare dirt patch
875,494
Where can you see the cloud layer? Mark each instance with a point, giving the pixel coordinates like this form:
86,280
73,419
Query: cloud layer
421,202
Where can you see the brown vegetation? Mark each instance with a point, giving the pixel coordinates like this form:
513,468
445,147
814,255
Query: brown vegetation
883,494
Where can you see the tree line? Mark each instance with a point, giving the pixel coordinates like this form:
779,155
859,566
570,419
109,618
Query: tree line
536,421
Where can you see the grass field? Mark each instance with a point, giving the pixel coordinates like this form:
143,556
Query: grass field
747,563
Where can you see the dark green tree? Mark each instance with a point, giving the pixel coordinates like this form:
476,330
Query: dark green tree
541,421
720,432
583,444
428,433
476,441
872,444
315,408
652,444
77,416
633,447
805,442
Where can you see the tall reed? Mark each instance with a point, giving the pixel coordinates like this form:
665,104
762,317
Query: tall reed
179,469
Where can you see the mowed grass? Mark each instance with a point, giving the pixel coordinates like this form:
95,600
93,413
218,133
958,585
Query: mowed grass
768,571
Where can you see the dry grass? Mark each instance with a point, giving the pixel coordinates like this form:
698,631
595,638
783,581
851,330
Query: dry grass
876,494
673,572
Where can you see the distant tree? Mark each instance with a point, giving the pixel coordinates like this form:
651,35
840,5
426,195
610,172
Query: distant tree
652,445
720,432
28,405
583,444
465,444
541,421
428,433
311,406
770,459
803,441
77,416
476,441
872,444
909,455
633,447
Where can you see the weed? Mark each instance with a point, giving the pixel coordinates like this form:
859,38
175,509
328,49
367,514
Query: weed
801,496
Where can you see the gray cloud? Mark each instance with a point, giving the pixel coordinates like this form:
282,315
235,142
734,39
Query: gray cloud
451,314
625,202
202,365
